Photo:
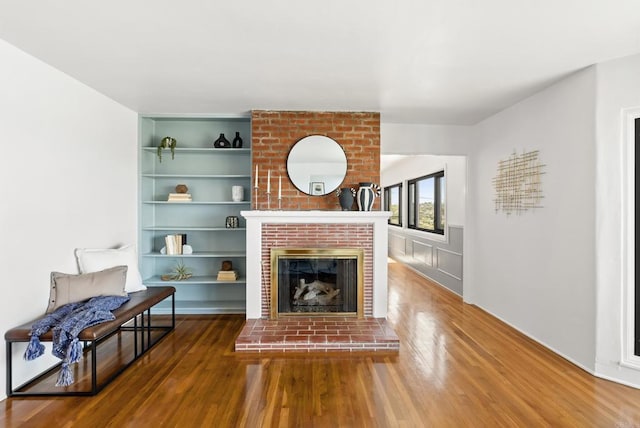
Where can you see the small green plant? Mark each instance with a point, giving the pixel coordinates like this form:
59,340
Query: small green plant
179,273
167,143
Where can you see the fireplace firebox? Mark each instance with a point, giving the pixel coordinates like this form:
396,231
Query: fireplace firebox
316,281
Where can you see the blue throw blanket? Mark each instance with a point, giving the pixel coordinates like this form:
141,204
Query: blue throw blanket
67,322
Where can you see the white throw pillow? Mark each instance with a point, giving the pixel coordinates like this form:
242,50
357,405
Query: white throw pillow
94,260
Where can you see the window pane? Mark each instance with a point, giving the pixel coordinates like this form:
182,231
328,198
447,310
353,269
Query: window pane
426,212
443,209
394,204
412,204
426,203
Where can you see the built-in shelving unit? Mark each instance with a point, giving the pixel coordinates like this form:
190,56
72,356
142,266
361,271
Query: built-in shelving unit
209,174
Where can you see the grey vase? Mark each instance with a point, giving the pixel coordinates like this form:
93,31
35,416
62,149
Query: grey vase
237,142
221,142
346,198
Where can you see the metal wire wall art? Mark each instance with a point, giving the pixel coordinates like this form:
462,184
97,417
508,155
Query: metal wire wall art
518,183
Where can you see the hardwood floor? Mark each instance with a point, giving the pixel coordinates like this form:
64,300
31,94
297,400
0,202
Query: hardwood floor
457,367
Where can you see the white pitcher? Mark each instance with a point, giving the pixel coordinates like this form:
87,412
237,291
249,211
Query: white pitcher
237,193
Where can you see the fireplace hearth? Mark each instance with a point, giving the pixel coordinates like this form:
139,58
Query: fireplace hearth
316,281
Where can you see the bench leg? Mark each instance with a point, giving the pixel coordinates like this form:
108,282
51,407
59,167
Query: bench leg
142,347
135,336
149,327
94,367
9,369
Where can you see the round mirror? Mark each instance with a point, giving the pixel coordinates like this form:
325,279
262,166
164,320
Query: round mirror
317,165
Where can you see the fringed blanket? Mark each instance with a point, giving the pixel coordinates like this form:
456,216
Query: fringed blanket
67,322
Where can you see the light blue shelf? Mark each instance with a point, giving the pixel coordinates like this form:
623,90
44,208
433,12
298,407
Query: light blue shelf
195,229
229,151
197,203
209,173
202,254
196,175
202,307
211,280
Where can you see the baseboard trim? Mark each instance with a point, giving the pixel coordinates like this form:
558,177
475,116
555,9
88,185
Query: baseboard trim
535,339
422,274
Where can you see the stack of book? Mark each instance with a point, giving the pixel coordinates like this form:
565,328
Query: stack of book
174,243
227,275
179,197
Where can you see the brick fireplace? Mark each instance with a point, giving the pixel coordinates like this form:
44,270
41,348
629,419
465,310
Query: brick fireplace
319,229
315,221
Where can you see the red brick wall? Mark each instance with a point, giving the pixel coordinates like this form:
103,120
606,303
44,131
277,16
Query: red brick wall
273,133
317,236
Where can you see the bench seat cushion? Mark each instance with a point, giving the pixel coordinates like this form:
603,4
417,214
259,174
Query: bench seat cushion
138,303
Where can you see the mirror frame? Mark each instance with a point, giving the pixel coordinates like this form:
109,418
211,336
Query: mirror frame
317,188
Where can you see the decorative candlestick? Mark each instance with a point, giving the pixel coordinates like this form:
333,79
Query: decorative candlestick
280,192
255,204
269,181
256,178
255,199
269,189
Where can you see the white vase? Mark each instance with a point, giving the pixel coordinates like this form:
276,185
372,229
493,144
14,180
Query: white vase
237,193
365,196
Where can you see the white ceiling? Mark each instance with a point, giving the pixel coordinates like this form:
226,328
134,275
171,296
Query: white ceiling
422,61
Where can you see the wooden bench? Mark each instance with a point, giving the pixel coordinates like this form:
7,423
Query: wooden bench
133,323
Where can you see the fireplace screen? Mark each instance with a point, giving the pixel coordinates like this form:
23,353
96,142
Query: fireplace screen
316,282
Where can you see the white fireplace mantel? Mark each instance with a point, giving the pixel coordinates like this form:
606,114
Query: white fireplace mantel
256,218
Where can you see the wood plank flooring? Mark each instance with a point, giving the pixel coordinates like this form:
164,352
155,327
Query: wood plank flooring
457,367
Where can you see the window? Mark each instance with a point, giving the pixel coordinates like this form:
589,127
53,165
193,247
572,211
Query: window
393,203
427,208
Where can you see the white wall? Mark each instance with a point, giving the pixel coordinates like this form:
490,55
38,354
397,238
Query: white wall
412,139
618,88
536,270
417,166
554,273
68,167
